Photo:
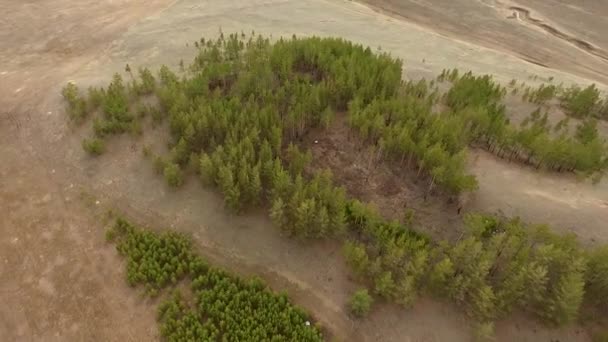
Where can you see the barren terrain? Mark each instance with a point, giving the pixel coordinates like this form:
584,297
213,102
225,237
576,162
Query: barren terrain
562,34
58,278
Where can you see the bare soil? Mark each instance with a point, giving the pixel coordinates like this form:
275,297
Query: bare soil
59,280
564,34
390,187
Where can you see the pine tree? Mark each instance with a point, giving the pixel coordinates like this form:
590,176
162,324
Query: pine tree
385,285
565,303
597,276
322,221
277,213
406,291
327,116
304,218
255,184
440,275
232,194
356,257
207,170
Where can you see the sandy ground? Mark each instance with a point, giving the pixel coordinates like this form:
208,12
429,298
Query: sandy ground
492,23
58,279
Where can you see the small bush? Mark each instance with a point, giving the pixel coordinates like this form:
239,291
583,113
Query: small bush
96,97
360,303
173,174
110,235
77,105
483,332
93,146
159,164
148,83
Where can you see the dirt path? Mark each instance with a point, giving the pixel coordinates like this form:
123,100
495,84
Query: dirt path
62,264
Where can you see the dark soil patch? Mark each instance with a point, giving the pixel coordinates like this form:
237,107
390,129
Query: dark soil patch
393,189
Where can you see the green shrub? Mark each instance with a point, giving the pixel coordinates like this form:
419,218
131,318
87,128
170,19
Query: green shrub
360,303
173,174
96,97
110,235
76,104
581,103
93,146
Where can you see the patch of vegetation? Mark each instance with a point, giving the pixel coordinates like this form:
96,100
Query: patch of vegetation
173,175
542,94
76,104
93,146
578,102
476,101
585,102
224,307
495,267
239,111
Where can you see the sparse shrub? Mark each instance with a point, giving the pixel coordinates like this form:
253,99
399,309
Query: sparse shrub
95,97
77,105
156,114
136,128
110,235
483,332
173,175
159,165
147,151
93,146
142,110
70,93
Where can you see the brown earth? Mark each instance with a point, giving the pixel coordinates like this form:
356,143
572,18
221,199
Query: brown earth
565,34
390,187
58,278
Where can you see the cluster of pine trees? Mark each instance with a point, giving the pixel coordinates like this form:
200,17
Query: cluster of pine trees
585,103
578,102
542,94
495,267
477,100
224,307
236,116
405,128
